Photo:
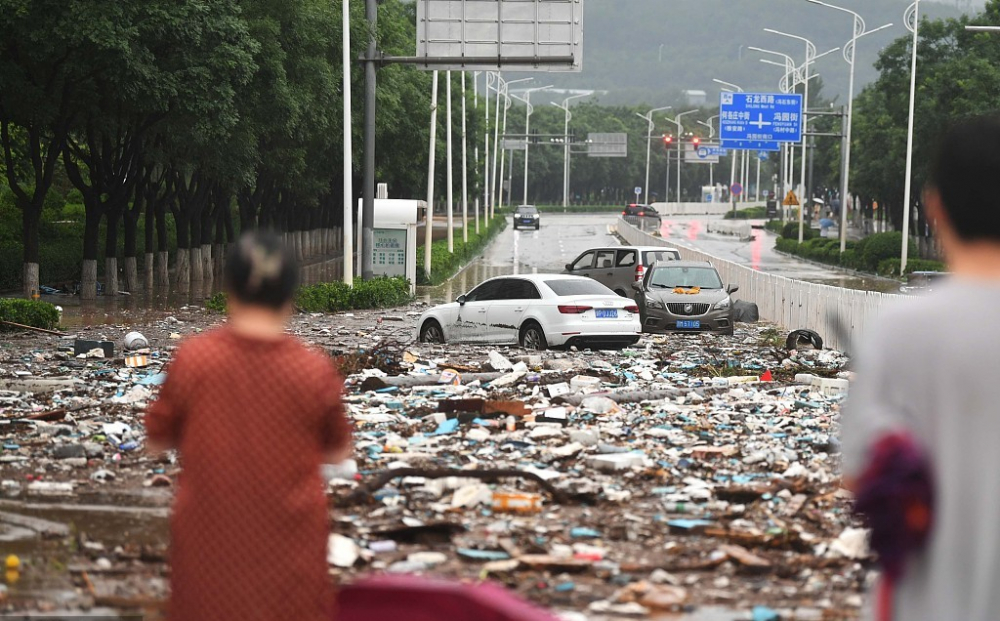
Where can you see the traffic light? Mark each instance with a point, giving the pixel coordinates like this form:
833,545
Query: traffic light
667,140
696,141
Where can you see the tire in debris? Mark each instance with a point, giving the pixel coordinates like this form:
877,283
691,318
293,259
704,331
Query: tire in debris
431,332
533,337
803,337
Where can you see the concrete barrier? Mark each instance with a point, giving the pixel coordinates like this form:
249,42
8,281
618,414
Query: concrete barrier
840,316
700,209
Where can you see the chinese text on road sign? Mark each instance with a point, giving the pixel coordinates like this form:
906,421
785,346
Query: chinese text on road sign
747,120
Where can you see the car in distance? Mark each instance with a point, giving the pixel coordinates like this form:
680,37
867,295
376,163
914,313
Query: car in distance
685,296
924,282
526,216
640,211
536,311
618,267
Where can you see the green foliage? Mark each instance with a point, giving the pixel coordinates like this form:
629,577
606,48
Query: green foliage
577,209
750,213
775,226
790,230
337,296
332,297
217,302
880,247
444,264
890,267
28,312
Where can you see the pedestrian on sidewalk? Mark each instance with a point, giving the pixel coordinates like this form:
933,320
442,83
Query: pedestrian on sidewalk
921,429
254,414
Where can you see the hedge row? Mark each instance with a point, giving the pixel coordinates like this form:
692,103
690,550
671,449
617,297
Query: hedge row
331,297
444,264
28,312
876,254
750,213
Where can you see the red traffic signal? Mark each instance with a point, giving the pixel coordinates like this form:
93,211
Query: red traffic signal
696,141
667,139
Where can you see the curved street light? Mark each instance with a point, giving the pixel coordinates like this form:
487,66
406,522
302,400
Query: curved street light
680,133
850,49
648,117
912,21
566,146
527,131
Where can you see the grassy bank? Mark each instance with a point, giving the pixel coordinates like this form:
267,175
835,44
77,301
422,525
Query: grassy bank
444,264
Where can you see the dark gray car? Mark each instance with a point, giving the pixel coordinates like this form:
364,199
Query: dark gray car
684,296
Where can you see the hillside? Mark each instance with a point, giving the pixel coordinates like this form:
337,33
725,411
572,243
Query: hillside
705,39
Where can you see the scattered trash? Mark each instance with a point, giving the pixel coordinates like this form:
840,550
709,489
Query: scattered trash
135,341
799,337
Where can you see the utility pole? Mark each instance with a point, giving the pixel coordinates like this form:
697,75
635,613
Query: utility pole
348,151
368,194
432,151
465,171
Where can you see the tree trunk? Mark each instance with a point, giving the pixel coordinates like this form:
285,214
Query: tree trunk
149,268
196,274
91,233
131,275
218,261
111,276
88,280
29,277
206,265
162,269
30,215
183,270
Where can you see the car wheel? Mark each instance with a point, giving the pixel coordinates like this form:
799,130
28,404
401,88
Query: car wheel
533,337
536,226
431,332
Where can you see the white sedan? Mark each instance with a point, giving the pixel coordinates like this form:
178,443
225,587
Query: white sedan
536,311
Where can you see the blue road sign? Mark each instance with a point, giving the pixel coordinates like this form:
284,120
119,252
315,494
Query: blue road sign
736,189
638,190
707,151
763,156
750,145
750,118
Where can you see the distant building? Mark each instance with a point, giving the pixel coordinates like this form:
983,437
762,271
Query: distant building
696,98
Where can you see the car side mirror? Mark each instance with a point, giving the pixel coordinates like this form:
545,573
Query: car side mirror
461,300
569,267
636,286
732,288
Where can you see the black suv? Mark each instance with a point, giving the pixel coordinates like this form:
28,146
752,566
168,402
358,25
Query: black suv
526,216
640,211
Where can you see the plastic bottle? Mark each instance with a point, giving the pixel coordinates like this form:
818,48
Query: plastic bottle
511,423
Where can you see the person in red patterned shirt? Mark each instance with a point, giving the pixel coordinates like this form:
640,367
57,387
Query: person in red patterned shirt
254,414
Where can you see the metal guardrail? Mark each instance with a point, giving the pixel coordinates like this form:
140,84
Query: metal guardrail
841,316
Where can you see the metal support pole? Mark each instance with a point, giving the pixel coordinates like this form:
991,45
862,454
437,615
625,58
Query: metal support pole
527,145
909,141
368,194
732,177
503,155
486,169
805,107
475,106
491,208
465,172
432,149
348,151
450,193
756,191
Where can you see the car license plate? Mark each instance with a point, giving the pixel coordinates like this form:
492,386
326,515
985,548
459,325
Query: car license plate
689,325
603,313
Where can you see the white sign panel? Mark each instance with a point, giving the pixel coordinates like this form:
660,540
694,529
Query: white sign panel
389,252
501,34
702,154
607,145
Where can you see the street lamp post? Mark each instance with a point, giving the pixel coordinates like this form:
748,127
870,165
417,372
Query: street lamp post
912,21
680,132
648,117
527,132
711,166
860,30
785,85
810,56
566,146
500,87
732,158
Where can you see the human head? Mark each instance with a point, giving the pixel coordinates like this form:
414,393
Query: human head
960,193
261,272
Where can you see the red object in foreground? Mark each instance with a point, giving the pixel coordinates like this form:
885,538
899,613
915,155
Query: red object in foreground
391,598
767,377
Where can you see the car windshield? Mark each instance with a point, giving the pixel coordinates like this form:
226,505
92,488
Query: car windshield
672,277
526,211
577,287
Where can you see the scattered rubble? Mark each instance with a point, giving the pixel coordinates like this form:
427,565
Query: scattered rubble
687,472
